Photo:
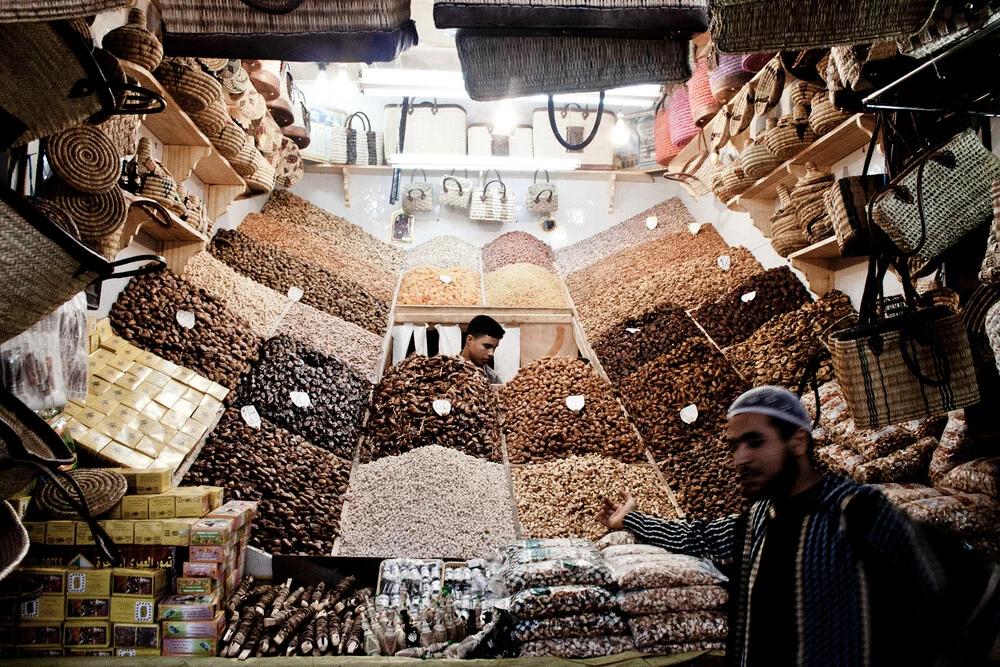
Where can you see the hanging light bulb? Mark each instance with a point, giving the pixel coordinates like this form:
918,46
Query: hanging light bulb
620,135
505,118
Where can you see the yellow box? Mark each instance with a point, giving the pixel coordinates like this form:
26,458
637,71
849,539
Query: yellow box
39,634
116,452
91,608
89,416
88,582
158,380
117,394
133,609
191,501
162,506
216,495
137,635
130,437
61,533
127,652
135,507
138,583
177,532
150,447
53,579
146,482
43,608
93,441
138,461
94,634
120,532
83,534
149,532
36,531
114,513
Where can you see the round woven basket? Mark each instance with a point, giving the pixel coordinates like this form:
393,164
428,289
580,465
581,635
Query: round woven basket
247,160
768,86
234,78
193,89
230,141
718,129
134,43
786,233
742,110
735,180
703,104
727,78
99,218
213,64
194,209
755,62
57,215
822,67
682,127
123,131
268,135
758,161
102,490
212,119
810,209
262,180
788,138
85,159
163,190
803,92
251,104
290,168
825,116
267,80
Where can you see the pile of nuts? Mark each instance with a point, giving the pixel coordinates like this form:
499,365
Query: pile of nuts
514,248
260,306
735,316
687,283
432,286
540,425
330,414
443,251
350,238
639,340
279,270
220,346
332,336
702,475
431,502
311,247
671,217
525,286
299,486
433,401
780,350
563,498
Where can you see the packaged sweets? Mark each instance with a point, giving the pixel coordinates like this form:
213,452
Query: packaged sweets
681,627
560,601
647,601
566,627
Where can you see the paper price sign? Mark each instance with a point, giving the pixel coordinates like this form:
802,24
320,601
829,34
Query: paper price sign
295,293
250,416
689,415
574,403
446,279
185,318
748,297
651,222
724,262
300,399
442,406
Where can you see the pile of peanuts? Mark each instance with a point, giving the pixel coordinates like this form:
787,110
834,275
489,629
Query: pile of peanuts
517,248
524,285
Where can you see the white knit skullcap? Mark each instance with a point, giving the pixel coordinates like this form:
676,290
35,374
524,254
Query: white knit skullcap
775,402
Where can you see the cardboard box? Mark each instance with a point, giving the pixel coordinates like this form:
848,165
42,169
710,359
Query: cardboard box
177,532
135,507
53,579
241,512
43,608
120,532
114,513
211,629
215,571
90,653
36,531
191,502
136,652
136,635
96,634
88,583
83,534
61,533
203,646
149,532
148,481
92,608
39,634
189,607
162,506
20,504
232,582
33,653
209,554
212,532
195,585
133,610
216,496
138,583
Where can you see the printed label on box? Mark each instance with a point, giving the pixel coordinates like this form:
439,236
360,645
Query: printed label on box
77,582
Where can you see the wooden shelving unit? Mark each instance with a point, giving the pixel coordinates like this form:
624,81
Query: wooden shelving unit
820,261
164,232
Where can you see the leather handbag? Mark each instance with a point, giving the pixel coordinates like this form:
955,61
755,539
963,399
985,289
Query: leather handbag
543,198
492,203
418,196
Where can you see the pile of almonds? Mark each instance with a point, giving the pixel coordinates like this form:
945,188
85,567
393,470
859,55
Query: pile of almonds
563,498
219,346
298,485
671,217
779,351
436,400
309,246
524,285
279,270
735,316
542,424
639,340
432,286
348,237
442,251
335,395
517,248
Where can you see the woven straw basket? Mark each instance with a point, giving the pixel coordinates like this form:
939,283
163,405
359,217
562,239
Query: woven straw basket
682,127
85,159
666,150
824,116
768,86
212,120
810,209
718,129
990,272
741,110
788,138
193,89
728,78
134,43
102,490
758,161
230,141
100,218
702,102
786,233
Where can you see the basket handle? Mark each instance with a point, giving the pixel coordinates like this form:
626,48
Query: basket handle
366,123
273,7
154,265
141,101
155,211
495,171
503,195
542,192
536,175
413,173
444,184
433,104
593,133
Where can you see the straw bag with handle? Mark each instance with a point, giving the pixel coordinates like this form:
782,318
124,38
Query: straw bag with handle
786,232
431,128
666,149
990,272
847,205
682,127
543,198
575,131
349,146
418,196
456,191
993,330
492,203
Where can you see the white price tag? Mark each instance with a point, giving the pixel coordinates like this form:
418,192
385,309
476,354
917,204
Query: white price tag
574,403
144,612
300,399
694,227
442,406
250,416
689,415
748,297
295,293
651,222
445,279
724,262
185,318
632,330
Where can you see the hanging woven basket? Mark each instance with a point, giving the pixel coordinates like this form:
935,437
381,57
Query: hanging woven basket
193,89
703,104
134,43
728,78
824,116
102,490
666,150
682,127
741,110
85,159
768,86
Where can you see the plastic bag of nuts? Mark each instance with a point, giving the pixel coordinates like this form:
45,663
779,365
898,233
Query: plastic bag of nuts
962,514
673,628
684,647
616,539
563,572
567,627
577,648
661,600
840,459
899,493
668,571
534,555
976,476
951,448
614,551
560,601
907,464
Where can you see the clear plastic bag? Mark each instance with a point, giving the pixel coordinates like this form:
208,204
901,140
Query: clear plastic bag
907,464
593,647
617,538
688,647
564,572
631,549
678,628
662,600
951,448
546,602
962,514
904,492
567,627
539,554
840,458
883,442
509,550
667,572
976,476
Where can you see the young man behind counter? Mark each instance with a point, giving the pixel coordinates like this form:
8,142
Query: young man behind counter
482,337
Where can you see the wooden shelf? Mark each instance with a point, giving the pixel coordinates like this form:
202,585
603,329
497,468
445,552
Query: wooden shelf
171,126
820,263
853,134
825,249
630,175
164,232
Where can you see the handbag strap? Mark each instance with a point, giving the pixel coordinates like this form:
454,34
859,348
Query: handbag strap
444,184
542,192
366,123
503,195
273,6
535,180
423,174
495,171
154,265
593,133
433,105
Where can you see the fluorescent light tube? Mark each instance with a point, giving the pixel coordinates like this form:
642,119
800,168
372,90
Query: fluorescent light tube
431,161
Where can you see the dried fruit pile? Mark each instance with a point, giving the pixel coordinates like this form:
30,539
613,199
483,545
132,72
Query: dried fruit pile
525,285
515,248
442,251
639,340
260,306
433,286
332,336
